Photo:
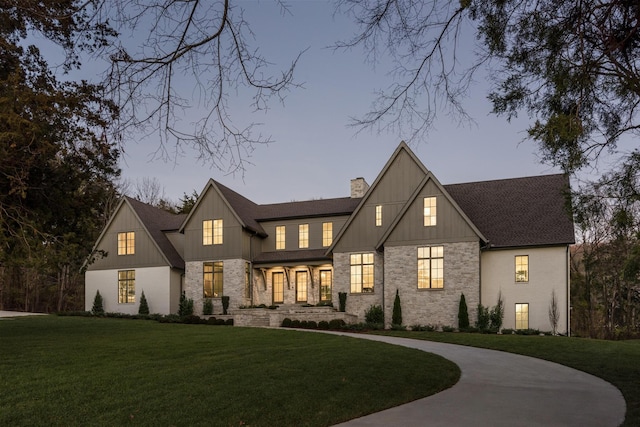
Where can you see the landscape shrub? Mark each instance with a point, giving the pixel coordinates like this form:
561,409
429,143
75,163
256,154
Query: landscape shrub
312,324
323,324
497,314
448,329
229,322
463,314
398,327
98,307
303,324
374,314
286,322
324,304
185,307
342,296
483,318
396,317
191,319
207,307
225,304
507,331
336,324
295,323
143,309
211,321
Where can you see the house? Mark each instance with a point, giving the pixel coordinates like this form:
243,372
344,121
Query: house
406,233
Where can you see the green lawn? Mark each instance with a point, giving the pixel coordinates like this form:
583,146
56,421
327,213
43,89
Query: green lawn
86,371
617,362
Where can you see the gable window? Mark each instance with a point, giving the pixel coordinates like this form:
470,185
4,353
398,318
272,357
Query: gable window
326,284
217,232
303,236
327,234
361,273
280,237
522,268
522,316
212,232
212,279
127,243
430,208
379,216
126,286
207,232
301,286
431,267
277,279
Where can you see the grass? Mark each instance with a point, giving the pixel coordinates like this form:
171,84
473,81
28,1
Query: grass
617,362
101,372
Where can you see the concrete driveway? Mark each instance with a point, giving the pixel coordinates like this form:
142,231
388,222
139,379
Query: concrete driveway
503,389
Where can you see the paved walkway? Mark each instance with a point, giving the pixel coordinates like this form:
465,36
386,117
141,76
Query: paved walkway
17,314
503,389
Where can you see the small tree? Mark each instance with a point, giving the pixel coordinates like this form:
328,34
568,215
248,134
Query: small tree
463,314
207,307
144,306
497,313
342,296
554,313
374,314
98,308
396,318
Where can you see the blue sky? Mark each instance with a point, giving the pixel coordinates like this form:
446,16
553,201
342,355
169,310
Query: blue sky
315,153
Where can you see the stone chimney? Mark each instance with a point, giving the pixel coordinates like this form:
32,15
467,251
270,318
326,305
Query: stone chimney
358,187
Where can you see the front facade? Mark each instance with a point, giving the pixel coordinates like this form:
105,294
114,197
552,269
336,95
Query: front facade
406,233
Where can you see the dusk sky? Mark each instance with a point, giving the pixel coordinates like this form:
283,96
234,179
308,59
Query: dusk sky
315,154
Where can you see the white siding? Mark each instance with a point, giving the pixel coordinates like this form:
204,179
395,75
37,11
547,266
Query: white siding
547,272
161,287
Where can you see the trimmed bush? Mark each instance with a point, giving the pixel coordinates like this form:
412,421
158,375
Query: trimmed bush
448,329
374,314
286,322
229,322
323,324
225,304
342,296
483,318
207,307
396,317
98,307
295,323
211,321
337,324
144,306
191,319
312,324
186,305
463,314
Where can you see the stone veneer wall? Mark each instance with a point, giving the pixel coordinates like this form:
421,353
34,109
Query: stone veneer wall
357,304
432,306
263,293
233,285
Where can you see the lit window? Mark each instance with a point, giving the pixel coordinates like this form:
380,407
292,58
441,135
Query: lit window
327,234
217,231
361,273
278,287
522,268
522,316
212,279
326,283
429,211
301,286
207,232
431,267
379,216
126,286
127,243
280,237
303,236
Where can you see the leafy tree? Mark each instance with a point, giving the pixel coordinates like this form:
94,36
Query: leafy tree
482,323
496,314
463,314
396,317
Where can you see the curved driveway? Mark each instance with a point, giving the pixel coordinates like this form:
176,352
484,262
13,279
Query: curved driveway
503,389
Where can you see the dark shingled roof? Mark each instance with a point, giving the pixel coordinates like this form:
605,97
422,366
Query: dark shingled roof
309,208
291,256
518,212
156,221
244,208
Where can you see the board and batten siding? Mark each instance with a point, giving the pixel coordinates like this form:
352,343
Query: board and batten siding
212,207
146,252
268,244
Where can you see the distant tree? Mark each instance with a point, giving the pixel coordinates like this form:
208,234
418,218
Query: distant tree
396,317
187,202
463,314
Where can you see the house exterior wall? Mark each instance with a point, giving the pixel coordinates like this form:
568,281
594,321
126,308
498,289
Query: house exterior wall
263,285
548,272
357,303
161,286
233,276
268,244
437,307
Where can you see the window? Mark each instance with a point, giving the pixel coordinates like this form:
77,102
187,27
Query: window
207,232
212,279
431,267
522,316
247,280
280,237
522,268
301,286
278,287
217,232
379,216
361,273
126,286
127,243
429,211
327,234
326,284
303,236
